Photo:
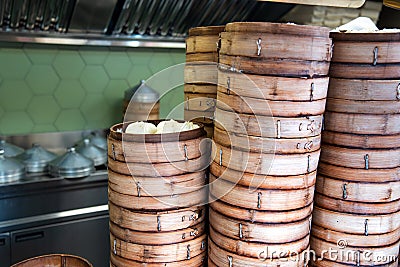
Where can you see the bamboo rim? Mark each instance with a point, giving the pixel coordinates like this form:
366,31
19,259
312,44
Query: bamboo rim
156,221
359,175
361,141
362,123
260,215
259,232
363,107
265,164
356,223
204,72
320,245
202,44
364,71
273,87
356,191
361,158
54,260
279,67
160,253
328,263
157,238
271,45
259,144
206,30
198,116
355,240
204,57
197,261
267,126
248,105
254,250
221,257
259,199
200,89
364,90
251,180
156,186
353,207
190,199
366,37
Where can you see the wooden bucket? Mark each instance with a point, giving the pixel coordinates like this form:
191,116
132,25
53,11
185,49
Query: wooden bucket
361,140
54,260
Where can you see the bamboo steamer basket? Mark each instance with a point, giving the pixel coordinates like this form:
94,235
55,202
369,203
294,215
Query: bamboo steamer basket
156,186
117,261
201,72
327,263
364,90
361,141
260,216
364,71
340,205
204,57
157,221
220,257
199,116
200,89
202,43
254,250
361,158
363,107
357,191
265,164
256,106
137,111
158,253
384,124
267,145
352,240
260,199
356,253
359,175
272,87
356,223
251,180
200,102
158,238
277,233
267,126
54,260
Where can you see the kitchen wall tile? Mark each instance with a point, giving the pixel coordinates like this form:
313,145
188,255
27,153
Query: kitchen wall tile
43,109
69,94
68,64
70,120
43,128
141,56
94,55
14,95
40,54
94,78
15,122
14,64
160,62
117,65
95,110
42,79
138,73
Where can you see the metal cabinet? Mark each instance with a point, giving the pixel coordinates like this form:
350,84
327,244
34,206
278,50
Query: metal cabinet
5,250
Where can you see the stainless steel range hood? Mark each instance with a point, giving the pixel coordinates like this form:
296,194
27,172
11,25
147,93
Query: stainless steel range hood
162,23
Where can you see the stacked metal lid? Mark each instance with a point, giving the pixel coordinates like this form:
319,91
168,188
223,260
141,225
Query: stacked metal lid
36,159
156,197
358,183
201,75
272,85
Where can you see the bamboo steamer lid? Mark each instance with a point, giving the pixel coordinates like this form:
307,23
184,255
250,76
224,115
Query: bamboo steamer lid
242,104
157,221
267,145
359,175
353,240
197,261
361,141
221,257
202,44
206,30
158,238
363,107
254,250
277,233
356,223
272,87
364,90
261,216
358,191
158,253
260,199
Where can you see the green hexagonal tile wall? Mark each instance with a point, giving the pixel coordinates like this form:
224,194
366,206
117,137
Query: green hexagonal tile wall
46,88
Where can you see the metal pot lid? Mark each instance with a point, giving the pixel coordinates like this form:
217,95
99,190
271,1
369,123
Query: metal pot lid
36,158
71,165
98,140
10,150
10,168
142,93
89,150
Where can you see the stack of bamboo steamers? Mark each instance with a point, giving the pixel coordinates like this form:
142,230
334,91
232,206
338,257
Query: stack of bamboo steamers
358,186
272,86
156,198
201,75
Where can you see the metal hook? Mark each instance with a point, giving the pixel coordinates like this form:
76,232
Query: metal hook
278,129
366,159
203,245
309,224
312,91
344,191
194,232
358,258
230,261
188,252
138,188
366,227
398,92
259,200
332,46
258,42
220,157
186,152
159,223
308,145
115,247
308,163
240,231
375,56
113,151
228,83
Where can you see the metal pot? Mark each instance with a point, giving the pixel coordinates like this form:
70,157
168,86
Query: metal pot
36,159
141,93
10,169
71,165
89,150
10,150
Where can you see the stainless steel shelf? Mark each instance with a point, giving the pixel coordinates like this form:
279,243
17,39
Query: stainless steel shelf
93,40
